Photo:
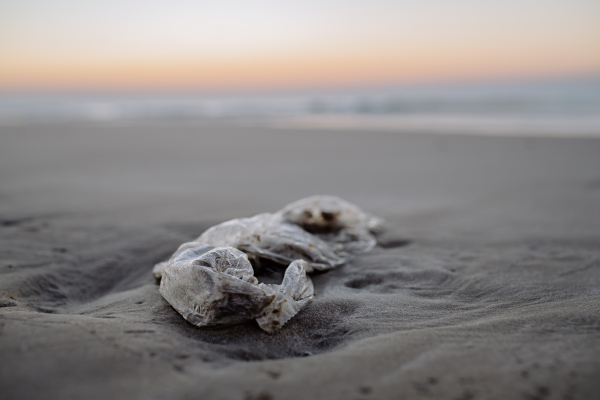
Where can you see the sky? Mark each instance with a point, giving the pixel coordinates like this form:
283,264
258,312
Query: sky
258,44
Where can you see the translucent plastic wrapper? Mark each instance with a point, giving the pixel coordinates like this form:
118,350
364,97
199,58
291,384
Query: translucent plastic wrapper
294,293
211,281
344,226
325,231
268,236
328,214
196,250
218,287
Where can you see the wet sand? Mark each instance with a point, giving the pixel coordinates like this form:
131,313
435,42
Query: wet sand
485,283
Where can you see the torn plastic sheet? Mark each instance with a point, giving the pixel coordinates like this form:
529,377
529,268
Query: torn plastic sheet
268,236
344,226
196,249
325,231
219,287
211,281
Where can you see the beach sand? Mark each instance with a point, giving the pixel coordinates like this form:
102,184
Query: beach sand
485,283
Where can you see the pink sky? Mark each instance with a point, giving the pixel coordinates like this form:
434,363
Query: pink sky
237,44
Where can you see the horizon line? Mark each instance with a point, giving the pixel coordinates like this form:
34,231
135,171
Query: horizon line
567,77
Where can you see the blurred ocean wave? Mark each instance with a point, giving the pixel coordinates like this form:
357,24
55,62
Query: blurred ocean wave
450,124
563,108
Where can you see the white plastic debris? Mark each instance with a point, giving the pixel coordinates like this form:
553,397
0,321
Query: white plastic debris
269,236
210,281
294,293
344,226
219,287
196,249
326,213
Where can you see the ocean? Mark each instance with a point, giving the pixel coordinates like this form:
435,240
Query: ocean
565,107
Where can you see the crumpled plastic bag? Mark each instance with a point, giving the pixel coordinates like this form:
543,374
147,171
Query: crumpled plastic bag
326,213
326,231
218,286
197,249
268,236
211,281
343,225
294,293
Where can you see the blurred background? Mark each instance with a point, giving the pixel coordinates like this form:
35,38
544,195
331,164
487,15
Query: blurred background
501,67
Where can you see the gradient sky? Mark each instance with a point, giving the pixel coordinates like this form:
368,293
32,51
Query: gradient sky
245,44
